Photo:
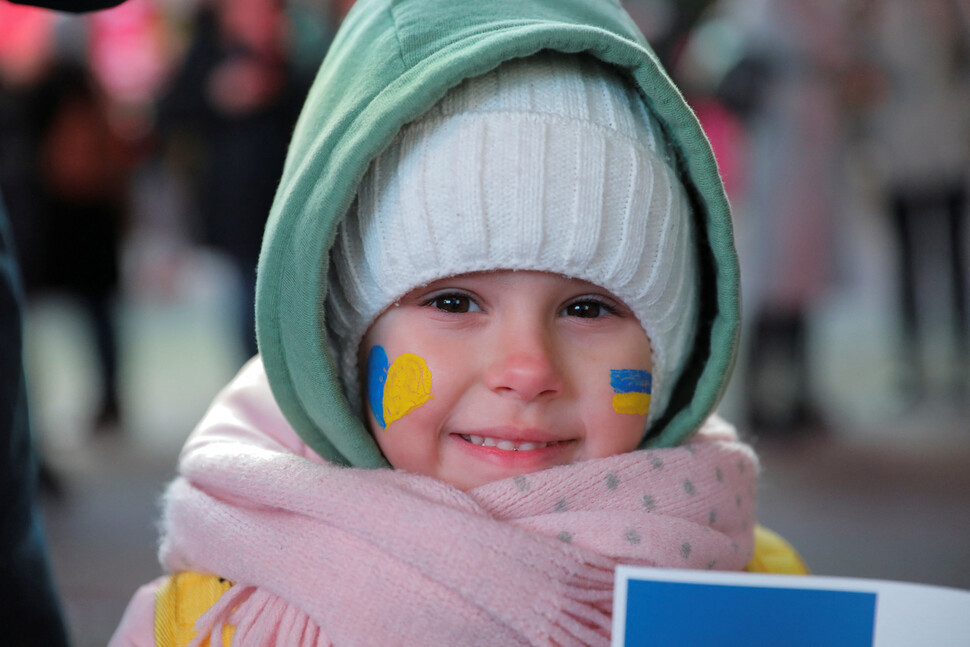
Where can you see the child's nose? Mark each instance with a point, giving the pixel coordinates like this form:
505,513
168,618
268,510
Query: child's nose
524,366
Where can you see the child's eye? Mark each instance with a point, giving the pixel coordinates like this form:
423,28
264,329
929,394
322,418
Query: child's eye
454,303
587,309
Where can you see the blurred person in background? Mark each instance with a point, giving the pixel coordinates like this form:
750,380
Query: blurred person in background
29,607
30,612
226,117
84,171
921,131
699,47
797,57
65,171
708,68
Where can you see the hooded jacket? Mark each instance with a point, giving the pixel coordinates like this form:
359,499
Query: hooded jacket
391,61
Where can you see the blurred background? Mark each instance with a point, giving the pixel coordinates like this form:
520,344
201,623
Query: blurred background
140,148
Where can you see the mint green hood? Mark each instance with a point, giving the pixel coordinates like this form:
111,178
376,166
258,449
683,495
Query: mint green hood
391,61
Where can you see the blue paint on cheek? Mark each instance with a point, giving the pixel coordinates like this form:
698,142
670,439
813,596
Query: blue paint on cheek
376,376
628,380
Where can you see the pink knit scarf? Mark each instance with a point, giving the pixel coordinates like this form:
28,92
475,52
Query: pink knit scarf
325,555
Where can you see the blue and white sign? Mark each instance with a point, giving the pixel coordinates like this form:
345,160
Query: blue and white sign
660,607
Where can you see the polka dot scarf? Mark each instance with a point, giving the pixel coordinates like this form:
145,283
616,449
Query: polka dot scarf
326,555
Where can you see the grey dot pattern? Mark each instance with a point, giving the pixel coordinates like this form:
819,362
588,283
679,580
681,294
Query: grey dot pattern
612,480
649,502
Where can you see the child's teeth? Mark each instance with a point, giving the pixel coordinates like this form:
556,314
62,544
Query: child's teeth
505,445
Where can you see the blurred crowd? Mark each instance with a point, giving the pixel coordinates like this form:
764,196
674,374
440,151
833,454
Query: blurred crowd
132,135
824,115
147,127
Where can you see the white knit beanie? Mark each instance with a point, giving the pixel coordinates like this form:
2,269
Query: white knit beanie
550,163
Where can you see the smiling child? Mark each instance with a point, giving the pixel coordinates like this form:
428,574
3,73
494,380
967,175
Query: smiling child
496,308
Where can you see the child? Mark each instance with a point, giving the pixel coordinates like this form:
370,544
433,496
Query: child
500,262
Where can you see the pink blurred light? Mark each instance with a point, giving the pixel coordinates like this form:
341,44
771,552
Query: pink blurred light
26,39
127,51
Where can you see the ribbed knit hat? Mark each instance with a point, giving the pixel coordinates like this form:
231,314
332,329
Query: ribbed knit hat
550,163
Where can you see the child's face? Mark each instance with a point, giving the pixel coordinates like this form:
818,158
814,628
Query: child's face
523,370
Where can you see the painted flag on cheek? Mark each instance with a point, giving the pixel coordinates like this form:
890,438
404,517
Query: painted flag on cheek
631,390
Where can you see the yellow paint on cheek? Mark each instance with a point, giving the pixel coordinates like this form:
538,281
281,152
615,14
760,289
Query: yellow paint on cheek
638,403
408,386
631,390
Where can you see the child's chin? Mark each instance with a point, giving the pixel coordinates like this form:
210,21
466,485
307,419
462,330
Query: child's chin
478,465
469,481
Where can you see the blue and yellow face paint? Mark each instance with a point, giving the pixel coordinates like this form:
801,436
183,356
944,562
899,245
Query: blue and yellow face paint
631,390
396,390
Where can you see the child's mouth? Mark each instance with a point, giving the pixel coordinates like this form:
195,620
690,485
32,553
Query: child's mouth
506,445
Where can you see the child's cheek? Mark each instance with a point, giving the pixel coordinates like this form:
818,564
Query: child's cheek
395,390
631,390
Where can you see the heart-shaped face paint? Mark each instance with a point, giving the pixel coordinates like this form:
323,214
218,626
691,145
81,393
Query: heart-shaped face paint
631,390
396,390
